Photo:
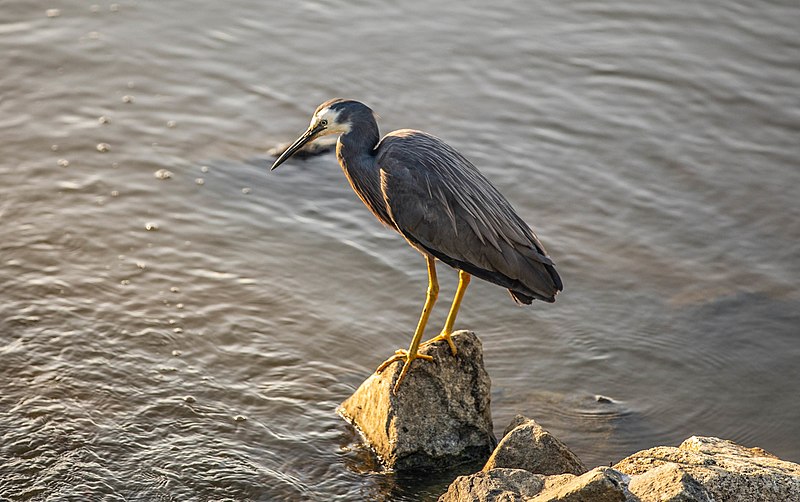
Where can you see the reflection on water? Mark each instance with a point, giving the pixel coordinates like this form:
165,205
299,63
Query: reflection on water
189,336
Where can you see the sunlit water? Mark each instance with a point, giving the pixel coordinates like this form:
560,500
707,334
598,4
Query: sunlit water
189,338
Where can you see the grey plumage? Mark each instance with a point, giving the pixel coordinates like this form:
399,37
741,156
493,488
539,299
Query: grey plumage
444,207
433,196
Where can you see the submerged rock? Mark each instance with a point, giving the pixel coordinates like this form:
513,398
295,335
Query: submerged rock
440,416
526,445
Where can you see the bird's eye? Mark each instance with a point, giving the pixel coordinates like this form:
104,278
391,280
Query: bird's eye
324,122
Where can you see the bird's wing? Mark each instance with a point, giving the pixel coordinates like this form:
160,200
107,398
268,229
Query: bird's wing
440,202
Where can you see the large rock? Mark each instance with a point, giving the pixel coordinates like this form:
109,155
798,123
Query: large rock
708,469
526,445
440,416
701,469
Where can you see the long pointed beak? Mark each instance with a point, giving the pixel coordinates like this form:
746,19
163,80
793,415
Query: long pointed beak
308,136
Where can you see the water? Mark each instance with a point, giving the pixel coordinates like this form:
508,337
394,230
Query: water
653,147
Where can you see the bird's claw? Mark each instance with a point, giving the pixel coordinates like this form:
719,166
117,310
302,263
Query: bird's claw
443,336
402,355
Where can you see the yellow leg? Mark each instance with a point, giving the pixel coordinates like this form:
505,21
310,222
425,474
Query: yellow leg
412,353
463,282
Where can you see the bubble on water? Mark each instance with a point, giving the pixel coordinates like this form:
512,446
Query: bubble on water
103,119
239,418
140,264
171,123
115,193
54,148
176,353
103,147
163,174
203,169
151,226
175,289
246,190
177,330
53,12
189,399
179,305
63,163
125,282
200,181
127,98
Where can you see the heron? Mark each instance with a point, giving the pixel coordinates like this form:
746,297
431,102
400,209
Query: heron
421,187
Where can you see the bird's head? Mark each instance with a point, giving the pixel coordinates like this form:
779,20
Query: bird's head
331,117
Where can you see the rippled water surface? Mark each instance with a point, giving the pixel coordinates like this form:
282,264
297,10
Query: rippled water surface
188,337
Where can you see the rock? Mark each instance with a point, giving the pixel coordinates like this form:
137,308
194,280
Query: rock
706,469
701,469
440,416
526,445
498,484
668,482
601,484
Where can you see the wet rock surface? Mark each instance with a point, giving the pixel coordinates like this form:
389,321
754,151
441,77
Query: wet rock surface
439,417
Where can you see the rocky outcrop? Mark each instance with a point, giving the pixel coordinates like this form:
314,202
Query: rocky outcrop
440,418
440,415
701,469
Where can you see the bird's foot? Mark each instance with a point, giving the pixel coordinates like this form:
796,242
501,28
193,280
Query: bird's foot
443,336
408,358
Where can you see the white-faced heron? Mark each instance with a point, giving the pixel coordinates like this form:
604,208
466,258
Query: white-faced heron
441,204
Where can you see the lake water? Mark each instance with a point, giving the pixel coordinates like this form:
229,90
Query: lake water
190,338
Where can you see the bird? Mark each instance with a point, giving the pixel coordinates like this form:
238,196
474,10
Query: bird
421,187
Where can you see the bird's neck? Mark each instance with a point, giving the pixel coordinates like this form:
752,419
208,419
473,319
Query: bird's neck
355,149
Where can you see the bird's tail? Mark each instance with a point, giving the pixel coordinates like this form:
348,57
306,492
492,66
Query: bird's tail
527,295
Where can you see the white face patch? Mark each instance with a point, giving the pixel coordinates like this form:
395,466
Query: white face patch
332,116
